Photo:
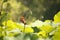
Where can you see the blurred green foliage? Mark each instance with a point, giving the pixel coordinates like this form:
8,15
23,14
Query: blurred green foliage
32,10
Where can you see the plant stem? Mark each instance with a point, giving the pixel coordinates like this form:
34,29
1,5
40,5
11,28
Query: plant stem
24,29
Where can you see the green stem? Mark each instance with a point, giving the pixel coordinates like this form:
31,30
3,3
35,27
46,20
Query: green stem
24,29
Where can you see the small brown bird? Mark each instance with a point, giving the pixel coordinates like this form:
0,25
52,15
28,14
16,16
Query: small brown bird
22,19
